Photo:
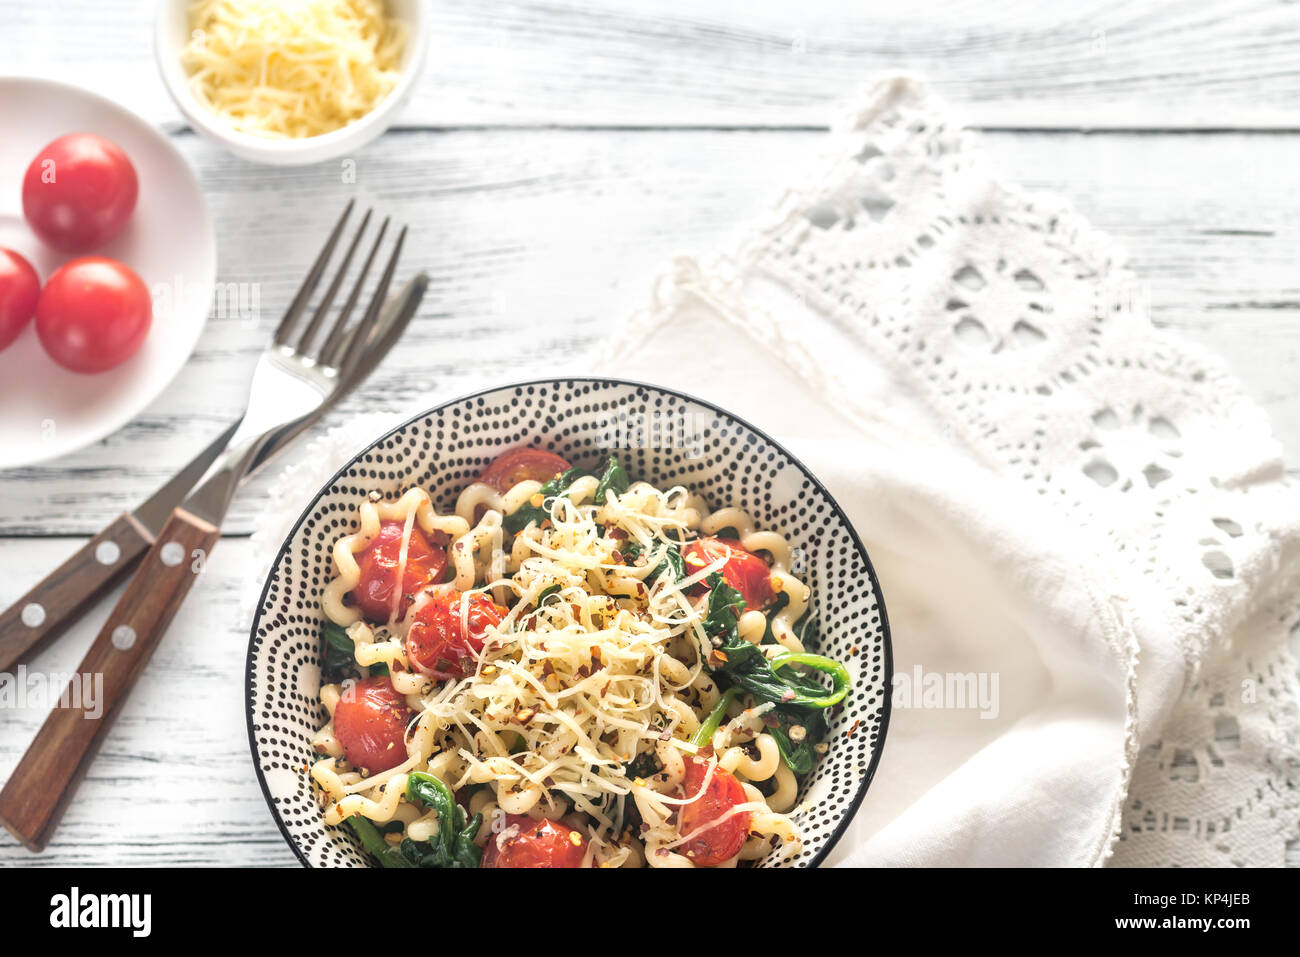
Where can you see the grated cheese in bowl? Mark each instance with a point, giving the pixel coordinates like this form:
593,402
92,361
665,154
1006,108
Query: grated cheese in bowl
292,69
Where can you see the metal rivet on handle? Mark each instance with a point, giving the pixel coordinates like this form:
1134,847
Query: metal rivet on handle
172,554
106,553
33,615
123,637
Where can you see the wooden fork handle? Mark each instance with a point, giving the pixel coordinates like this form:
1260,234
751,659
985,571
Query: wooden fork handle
64,595
35,795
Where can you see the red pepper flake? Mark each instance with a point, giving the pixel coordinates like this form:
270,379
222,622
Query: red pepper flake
617,533
854,728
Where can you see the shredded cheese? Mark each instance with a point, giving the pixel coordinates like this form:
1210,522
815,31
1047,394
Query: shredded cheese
291,69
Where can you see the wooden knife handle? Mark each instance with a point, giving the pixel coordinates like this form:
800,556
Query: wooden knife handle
64,595
36,793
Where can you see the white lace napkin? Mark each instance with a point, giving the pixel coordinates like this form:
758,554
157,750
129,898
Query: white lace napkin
1087,543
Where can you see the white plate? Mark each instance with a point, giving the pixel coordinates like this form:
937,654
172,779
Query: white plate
45,410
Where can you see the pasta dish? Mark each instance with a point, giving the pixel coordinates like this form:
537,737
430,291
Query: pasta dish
568,670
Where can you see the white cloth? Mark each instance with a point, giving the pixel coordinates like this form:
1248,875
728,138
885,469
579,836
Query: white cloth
1052,491
1056,496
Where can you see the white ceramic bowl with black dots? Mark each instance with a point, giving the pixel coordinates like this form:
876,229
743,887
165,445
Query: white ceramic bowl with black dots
725,459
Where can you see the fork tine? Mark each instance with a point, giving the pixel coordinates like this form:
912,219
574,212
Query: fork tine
396,316
304,343
335,338
359,338
308,286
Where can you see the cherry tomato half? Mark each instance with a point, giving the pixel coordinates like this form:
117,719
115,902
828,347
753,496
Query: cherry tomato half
20,288
510,468
719,844
437,643
378,561
93,314
743,571
370,723
79,192
528,843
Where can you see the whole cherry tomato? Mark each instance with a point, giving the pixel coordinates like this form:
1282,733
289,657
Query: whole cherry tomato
79,192
20,288
93,314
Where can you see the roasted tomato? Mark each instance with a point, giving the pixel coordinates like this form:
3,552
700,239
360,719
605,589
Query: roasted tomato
528,843
518,465
719,844
744,571
370,722
438,643
425,565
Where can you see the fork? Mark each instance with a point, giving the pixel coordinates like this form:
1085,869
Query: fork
291,381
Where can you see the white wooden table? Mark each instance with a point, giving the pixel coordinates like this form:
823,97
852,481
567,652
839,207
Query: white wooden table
555,155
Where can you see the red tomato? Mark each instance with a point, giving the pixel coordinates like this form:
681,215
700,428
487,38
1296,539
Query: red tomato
510,468
437,643
744,571
93,314
20,288
378,561
529,843
370,722
79,192
718,844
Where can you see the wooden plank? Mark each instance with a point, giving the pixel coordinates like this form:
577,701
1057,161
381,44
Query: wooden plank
1095,63
174,782
537,241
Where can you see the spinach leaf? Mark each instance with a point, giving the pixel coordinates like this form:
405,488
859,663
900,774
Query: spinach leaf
714,721
373,841
801,699
339,652
645,765
340,655
671,562
808,724
453,846
613,479
518,520
747,666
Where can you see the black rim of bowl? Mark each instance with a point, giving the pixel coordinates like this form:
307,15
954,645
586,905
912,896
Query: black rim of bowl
886,707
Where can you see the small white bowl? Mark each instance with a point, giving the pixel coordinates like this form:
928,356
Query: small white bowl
172,33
